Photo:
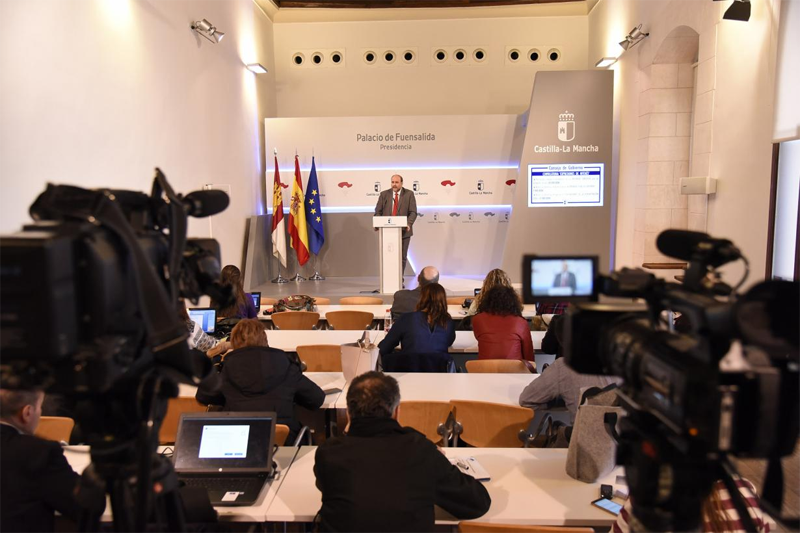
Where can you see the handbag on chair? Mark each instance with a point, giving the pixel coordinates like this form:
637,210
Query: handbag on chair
592,449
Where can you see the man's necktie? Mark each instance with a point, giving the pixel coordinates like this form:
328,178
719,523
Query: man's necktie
394,207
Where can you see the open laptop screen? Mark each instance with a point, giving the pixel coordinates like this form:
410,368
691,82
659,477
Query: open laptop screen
256,296
219,442
205,316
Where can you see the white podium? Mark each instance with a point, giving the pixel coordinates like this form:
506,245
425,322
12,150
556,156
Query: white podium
391,258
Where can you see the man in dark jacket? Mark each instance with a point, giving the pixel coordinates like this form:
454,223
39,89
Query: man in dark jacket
35,477
384,477
406,301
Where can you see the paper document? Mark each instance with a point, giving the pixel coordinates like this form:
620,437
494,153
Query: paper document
471,467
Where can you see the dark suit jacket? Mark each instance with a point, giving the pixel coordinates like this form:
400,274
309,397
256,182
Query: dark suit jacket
570,280
406,207
405,301
35,480
264,379
383,477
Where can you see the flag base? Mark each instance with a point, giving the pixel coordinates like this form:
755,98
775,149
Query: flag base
280,279
298,278
317,277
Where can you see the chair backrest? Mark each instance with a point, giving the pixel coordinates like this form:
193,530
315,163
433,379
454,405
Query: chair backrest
483,527
360,300
497,366
281,433
417,362
268,301
57,428
295,320
321,357
359,320
425,417
319,300
456,300
176,406
491,425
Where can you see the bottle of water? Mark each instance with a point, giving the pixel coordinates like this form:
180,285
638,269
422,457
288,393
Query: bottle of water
387,320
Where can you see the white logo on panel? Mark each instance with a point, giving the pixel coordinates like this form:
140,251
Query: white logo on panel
566,126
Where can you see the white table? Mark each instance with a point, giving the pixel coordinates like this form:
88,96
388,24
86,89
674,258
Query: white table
379,311
323,379
528,486
79,458
496,388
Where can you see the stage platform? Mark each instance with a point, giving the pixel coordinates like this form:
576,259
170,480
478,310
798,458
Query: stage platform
335,288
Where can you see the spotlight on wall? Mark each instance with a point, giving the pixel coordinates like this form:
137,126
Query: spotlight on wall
633,38
207,30
739,10
257,68
605,62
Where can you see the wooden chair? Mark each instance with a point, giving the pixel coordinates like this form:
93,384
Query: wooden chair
176,406
483,527
425,417
360,300
295,320
319,300
491,425
358,320
321,357
57,428
281,433
456,300
499,366
268,301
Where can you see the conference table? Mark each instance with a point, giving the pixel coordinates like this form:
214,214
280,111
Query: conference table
79,458
527,486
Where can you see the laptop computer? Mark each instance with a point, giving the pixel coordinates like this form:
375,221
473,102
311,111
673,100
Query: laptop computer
205,316
256,299
227,453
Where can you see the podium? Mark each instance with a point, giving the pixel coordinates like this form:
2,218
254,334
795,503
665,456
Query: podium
391,250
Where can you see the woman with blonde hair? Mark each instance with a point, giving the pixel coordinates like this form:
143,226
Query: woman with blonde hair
429,329
495,278
242,306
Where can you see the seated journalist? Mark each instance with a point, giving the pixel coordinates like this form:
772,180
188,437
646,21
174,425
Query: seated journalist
429,329
405,301
384,477
256,378
499,328
35,477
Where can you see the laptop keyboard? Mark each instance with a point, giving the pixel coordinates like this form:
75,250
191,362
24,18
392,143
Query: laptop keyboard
243,484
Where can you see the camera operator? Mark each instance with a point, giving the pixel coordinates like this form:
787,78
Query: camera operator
35,477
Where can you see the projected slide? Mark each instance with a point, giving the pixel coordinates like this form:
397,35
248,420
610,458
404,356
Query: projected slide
565,185
224,442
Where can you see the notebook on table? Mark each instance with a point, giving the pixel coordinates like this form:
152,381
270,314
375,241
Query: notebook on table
227,453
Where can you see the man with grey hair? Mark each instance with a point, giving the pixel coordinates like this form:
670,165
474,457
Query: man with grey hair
35,477
405,301
384,477
399,202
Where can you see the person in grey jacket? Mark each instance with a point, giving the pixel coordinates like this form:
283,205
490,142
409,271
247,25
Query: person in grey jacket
406,301
399,202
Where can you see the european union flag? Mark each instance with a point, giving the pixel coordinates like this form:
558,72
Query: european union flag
316,234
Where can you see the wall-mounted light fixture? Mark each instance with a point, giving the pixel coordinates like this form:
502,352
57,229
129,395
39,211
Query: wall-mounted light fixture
207,30
605,62
257,68
633,38
739,10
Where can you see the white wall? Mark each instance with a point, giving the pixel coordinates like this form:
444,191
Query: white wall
742,109
98,93
787,76
424,88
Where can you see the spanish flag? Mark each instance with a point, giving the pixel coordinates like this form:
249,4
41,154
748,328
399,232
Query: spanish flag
297,217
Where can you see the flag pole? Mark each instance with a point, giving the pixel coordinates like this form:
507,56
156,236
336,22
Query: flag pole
317,276
280,278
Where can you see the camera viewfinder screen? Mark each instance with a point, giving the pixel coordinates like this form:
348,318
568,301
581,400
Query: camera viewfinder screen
562,277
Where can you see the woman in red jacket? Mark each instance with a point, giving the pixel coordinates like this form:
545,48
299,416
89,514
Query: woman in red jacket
501,331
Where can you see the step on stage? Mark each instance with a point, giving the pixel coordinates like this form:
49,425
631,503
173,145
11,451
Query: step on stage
335,288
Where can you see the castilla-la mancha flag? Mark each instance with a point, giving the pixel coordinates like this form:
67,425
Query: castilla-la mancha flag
297,217
278,224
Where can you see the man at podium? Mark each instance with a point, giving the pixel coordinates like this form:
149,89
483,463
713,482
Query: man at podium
398,201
